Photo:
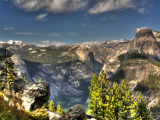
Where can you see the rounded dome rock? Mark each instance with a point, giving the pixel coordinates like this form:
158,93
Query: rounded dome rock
142,32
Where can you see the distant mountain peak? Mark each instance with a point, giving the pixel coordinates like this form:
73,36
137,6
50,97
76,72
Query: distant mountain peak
16,42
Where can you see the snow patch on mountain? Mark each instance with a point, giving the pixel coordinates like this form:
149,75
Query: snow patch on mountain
16,42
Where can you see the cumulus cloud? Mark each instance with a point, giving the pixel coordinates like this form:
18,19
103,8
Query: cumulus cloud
30,33
56,6
54,43
143,11
42,17
8,28
89,43
111,5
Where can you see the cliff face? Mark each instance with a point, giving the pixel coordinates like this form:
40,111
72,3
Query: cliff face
144,43
156,35
27,95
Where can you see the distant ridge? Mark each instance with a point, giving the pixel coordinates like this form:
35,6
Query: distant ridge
16,42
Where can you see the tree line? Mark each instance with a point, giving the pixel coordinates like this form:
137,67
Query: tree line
115,103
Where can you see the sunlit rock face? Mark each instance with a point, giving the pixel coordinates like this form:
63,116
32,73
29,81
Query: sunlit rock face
27,95
156,35
144,43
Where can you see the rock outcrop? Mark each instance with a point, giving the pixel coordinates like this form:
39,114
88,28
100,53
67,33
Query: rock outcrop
27,95
144,43
156,35
77,112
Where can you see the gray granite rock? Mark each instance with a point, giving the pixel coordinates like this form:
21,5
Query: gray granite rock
77,112
27,95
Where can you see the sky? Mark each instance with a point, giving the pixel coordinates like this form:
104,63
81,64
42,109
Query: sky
69,22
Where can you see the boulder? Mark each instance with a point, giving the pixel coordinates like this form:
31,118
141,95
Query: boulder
77,112
27,95
55,116
144,43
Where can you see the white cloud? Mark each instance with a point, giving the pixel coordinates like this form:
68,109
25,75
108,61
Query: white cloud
143,11
111,5
90,43
54,34
113,17
30,33
42,17
8,28
56,6
87,18
72,34
104,18
83,24
27,33
54,43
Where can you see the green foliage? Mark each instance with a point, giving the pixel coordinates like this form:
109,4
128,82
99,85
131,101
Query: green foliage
12,113
94,104
60,110
51,106
40,80
52,55
114,104
127,100
149,83
120,58
118,76
8,70
25,79
141,110
46,105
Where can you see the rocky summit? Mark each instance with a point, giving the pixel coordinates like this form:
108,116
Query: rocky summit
144,43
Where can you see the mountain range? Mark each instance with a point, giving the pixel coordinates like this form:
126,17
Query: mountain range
69,69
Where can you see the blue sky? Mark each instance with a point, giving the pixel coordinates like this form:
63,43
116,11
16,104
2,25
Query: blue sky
68,22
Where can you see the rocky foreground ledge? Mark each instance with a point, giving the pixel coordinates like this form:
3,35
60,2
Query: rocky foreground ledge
31,95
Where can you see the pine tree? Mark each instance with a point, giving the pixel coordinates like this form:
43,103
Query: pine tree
8,70
93,106
51,106
40,80
104,91
141,110
115,104
60,110
127,101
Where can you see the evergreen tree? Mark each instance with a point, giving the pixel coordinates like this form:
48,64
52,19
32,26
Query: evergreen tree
8,70
94,104
141,110
127,101
103,91
60,110
46,105
40,80
51,106
115,104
